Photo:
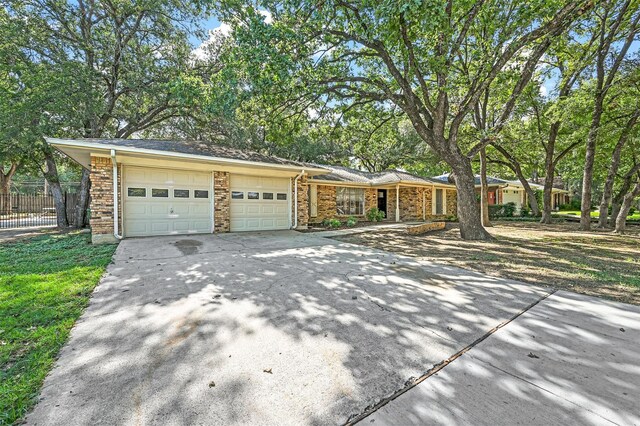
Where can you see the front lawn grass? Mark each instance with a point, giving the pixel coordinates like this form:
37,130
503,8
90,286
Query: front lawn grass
45,284
561,256
595,214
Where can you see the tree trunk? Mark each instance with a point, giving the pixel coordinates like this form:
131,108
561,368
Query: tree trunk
514,165
5,188
613,170
625,188
83,199
484,189
51,174
470,224
587,177
621,220
549,170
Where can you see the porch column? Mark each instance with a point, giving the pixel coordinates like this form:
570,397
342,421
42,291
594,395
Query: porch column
398,203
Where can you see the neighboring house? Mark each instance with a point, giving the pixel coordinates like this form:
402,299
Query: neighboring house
502,191
344,192
182,187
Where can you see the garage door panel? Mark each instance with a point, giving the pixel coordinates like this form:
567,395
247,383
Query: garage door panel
264,213
159,209
166,215
158,177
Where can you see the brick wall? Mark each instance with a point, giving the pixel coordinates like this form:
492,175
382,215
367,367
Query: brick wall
370,199
303,201
391,204
326,197
452,202
101,191
221,198
326,202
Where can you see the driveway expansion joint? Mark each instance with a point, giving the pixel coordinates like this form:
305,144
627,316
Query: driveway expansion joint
413,382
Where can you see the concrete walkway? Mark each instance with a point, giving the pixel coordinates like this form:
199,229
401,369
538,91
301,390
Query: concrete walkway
571,360
289,328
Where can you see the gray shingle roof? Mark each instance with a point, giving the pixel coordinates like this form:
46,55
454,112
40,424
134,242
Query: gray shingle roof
196,148
348,175
490,179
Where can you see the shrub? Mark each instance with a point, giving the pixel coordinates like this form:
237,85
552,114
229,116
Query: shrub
632,211
351,221
375,215
334,223
525,211
502,210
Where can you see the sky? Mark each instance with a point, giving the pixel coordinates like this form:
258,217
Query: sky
213,24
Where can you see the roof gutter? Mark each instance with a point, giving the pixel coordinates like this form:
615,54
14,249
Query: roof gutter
115,195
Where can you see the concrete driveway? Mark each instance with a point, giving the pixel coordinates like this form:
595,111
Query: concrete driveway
288,328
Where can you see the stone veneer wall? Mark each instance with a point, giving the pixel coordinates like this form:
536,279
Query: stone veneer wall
221,198
452,202
101,191
303,201
326,195
370,199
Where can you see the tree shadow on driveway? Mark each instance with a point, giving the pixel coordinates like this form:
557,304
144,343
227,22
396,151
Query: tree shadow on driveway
272,328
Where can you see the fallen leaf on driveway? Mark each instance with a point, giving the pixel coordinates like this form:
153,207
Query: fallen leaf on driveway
211,384
267,370
532,355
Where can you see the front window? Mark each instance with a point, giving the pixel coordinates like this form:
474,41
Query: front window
349,201
439,202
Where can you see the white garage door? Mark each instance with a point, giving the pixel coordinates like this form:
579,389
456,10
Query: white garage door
512,196
259,203
166,202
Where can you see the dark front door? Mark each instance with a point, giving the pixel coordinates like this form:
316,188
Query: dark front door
382,200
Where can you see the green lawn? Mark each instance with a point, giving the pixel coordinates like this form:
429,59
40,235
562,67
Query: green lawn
635,216
45,284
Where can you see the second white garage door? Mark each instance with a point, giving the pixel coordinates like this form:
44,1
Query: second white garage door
166,202
259,203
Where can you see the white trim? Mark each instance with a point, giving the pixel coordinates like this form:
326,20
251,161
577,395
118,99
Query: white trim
114,177
398,203
404,183
444,201
122,204
290,203
313,200
433,201
213,205
83,144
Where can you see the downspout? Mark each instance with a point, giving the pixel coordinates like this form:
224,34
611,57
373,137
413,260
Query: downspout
115,195
398,202
295,199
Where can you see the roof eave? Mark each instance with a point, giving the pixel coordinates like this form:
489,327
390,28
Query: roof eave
92,147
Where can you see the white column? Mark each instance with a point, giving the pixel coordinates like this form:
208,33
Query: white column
398,203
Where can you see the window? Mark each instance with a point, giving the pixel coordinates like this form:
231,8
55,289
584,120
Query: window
159,193
180,193
137,192
199,193
267,195
253,195
350,201
282,197
237,195
438,203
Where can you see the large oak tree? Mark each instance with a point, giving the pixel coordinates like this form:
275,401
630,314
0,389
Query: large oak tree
431,59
